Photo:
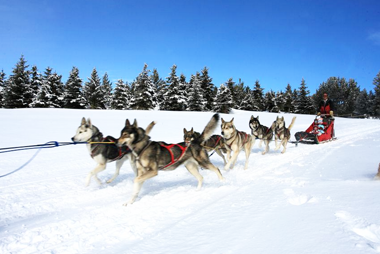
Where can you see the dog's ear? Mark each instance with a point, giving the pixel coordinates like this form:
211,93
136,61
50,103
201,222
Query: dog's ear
83,122
282,118
127,123
135,123
89,122
192,130
223,120
252,117
257,117
184,131
232,120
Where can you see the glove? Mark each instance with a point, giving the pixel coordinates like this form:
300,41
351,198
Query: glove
331,113
319,113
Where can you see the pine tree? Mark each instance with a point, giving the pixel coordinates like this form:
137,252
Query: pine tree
247,102
376,83
173,99
361,104
183,88
3,82
351,94
35,84
106,89
121,96
93,92
239,93
223,102
207,88
18,85
73,96
159,86
371,108
280,102
288,98
143,91
51,93
304,104
270,102
258,97
196,102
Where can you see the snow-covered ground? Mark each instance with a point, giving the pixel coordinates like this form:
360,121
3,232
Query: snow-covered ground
312,199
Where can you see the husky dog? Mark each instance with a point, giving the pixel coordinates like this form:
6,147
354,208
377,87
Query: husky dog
151,156
102,150
282,133
235,141
215,142
261,132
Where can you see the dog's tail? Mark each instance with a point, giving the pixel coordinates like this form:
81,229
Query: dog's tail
210,128
292,123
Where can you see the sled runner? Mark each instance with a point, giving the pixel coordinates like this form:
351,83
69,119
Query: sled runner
320,131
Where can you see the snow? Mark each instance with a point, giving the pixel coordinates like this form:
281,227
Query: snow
312,199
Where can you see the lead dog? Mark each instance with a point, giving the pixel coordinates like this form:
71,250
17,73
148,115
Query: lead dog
101,152
261,132
214,143
282,133
151,156
235,141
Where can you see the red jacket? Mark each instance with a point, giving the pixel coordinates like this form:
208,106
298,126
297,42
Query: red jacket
326,107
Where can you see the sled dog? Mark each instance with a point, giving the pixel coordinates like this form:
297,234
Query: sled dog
282,133
235,141
214,143
261,132
152,156
102,150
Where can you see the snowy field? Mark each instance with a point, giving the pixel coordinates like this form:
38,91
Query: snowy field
312,199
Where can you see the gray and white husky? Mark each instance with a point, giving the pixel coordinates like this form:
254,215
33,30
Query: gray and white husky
261,132
150,157
282,133
102,149
235,141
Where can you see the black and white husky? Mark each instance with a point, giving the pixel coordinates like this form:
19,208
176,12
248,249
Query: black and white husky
261,132
102,149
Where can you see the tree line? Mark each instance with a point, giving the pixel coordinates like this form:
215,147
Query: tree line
28,88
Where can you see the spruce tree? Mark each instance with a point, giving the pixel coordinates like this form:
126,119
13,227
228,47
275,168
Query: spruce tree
159,86
121,96
304,104
3,81
35,84
258,97
196,102
51,93
247,102
288,100
73,96
93,92
18,85
270,102
172,96
106,89
208,89
280,102
223,101
362,103
143,91
376,83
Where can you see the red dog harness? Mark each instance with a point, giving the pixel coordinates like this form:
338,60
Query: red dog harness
173,160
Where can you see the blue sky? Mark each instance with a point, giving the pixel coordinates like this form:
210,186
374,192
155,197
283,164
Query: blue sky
275,42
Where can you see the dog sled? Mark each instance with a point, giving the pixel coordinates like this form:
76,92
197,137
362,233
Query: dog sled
320,131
